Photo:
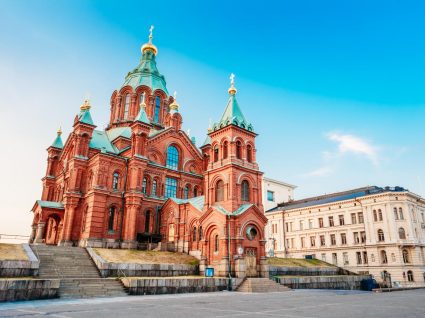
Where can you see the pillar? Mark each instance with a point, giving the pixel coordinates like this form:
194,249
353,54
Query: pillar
33,233
130,227
40,233
66,239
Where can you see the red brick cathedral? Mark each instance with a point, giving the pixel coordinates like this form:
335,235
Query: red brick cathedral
143,179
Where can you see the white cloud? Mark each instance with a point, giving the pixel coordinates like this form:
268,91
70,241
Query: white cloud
321,172
356,145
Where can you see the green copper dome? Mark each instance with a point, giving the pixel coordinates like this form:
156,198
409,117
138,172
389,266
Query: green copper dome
233,115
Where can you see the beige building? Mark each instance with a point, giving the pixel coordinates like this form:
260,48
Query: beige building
275,192
368,230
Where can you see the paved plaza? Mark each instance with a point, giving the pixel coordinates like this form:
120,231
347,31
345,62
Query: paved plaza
294,304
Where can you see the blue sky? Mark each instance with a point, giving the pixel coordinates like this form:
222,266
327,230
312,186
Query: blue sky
335,89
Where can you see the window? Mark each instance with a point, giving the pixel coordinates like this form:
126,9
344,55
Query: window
334,259
111,218
270,196
375,216
365,257
395,214
341,219
381,237
200,233
363,237
194,234
320,222
393,259
360,217
216,243
359,258
372,257
323,257
154,187
147,221
301,225
353,218
238,149
126,105
333,239
245,191
219,191
170,188
249,153
172,158
310,224
405,256
157,109
225,149
356,238
401,233
322,240
312,241
141,98
331,221
345,258
384,259
400,212
215,153
115,180
302,242
195,192
380,214
410,276
343,238
144,185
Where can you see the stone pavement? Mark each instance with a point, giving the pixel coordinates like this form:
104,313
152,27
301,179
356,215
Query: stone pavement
292,304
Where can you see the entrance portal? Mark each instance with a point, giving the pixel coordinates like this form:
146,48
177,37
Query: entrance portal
251,262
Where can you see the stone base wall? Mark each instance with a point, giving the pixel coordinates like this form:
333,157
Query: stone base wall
323,282
28,289
304,271
156,286
21,268
145,270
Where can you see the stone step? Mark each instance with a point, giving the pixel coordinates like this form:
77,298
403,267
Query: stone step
261,285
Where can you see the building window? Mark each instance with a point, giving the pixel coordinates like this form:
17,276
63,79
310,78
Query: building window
331,221
200,233
345,258
147,221
312,241
115,180
194,234
395,214
380,214
365,261
341,219
270,196
372,257
405,256
249,153
353,218
154,187
400,212
157,109
359,258
363,237
216,244
170,188
320,222
360,217
126,105
301,225
334,259
225,149
111,218
186,192
172,158
393,259
375,216
381,237
402,233
343,238
384,259
144,185
323,257
219,191
410,276
310,224
302,242
215,153
322,240
238,149
333,239
245,191
356,238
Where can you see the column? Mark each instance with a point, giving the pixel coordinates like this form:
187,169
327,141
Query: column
40,232
130,227
66,239
33,233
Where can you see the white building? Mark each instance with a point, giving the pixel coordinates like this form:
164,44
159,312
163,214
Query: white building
368,230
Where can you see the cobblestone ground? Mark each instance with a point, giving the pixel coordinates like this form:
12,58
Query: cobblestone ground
293,304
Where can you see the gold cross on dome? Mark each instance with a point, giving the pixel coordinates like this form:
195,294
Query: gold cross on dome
150,33
232,79
175,95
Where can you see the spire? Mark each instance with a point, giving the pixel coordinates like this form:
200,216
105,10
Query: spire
85,116
141,116
174,106
57,143
149,46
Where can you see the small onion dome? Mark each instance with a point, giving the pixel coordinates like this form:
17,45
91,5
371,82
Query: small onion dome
232,89
86,105
149,46
59,132
174,106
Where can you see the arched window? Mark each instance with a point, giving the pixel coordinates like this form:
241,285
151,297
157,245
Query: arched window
400,213
405,256
172,158
381,237
395,214
384,259
194,234
111,218
147,221
216,243
215,153
375,216
195,192
238,149
410,276
126,105
154,187
401,233
200,233
115,181
219,191
249,153
380,214
225,149
186,192
157,109
144,185
245,191
141,98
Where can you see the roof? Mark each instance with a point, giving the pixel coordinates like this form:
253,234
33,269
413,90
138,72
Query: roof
119,132
279,182
146,73
50,204
85,117
101,141
335,197
242,208
207,141
142,117
197,202
57,143
233,115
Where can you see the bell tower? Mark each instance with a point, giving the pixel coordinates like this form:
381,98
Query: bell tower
232,178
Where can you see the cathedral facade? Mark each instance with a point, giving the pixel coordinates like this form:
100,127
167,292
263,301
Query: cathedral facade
143,179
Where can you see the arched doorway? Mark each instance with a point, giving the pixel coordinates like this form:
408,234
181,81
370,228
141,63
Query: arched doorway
251,251
52,229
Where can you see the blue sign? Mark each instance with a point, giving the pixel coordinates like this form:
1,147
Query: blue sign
209,272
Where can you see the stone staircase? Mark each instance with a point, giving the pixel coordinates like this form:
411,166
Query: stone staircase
261,285
79,276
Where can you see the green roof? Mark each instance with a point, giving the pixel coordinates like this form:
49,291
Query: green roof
101,141
50,204
85,117
146,73
207,141
197,202
57,143
242,208
233,115
142,117
119,132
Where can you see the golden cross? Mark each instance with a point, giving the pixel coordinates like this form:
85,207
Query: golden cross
150,34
